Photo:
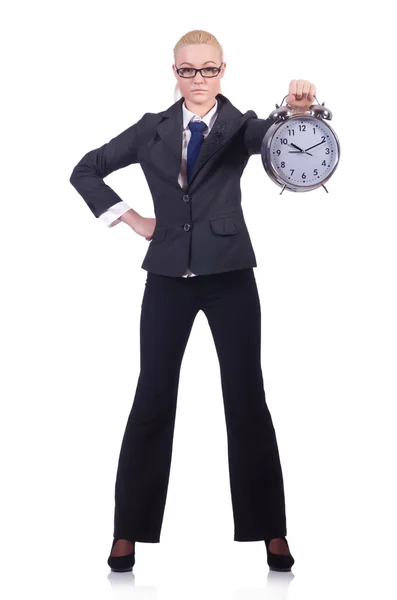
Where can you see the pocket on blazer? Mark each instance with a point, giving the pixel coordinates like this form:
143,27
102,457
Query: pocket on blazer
159,233
224,225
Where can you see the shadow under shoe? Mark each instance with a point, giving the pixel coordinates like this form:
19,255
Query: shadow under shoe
279,562
121,563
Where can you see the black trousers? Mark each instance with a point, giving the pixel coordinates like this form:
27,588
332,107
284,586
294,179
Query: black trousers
231,304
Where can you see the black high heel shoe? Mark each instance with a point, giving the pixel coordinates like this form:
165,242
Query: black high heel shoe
279,562
121,563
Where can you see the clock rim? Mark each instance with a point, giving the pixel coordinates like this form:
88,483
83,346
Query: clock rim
267,161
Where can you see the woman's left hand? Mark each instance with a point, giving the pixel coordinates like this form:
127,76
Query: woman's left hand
301,94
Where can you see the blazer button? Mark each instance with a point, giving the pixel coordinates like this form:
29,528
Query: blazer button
186,226
186,198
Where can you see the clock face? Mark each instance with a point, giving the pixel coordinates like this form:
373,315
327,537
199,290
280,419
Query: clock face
303,151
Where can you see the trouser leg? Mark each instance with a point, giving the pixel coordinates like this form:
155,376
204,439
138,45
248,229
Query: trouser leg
232,306
167,315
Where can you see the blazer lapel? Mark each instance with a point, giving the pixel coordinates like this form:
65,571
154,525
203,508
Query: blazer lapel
170,132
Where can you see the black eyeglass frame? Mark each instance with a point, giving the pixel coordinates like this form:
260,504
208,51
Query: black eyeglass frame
197,70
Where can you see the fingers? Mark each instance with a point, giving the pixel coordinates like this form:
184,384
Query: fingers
295,88
311,92
301,91
292,90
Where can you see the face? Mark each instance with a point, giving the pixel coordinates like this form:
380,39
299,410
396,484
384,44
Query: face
197,56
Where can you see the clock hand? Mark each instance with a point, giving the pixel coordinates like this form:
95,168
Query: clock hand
299,152
295,146
299,149
323,142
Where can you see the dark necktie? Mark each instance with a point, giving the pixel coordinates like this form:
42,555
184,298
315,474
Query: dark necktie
197,128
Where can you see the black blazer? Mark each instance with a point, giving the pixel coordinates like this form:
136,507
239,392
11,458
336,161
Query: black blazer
202,227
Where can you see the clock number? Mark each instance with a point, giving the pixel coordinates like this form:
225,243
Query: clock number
303,175
302,127
282,164
314,130
284,141
278,152
323,163
327,151
315,172
323,138
291,132
292,170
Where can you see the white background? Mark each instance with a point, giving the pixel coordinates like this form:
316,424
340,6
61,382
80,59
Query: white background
76,74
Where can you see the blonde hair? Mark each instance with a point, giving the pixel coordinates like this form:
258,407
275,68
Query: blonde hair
197,36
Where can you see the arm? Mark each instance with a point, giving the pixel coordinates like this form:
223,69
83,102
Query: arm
87,176
255,130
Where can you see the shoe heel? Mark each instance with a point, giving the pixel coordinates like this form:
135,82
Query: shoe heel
279,562
121,564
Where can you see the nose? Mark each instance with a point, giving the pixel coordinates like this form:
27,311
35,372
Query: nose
198,78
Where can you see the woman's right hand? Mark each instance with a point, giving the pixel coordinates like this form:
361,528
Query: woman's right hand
145,227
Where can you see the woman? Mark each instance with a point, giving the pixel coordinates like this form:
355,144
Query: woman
200,258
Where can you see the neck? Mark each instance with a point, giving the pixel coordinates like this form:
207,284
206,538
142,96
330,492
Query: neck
200,109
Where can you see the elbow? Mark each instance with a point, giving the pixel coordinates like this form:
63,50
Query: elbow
80,170
86,167
72,177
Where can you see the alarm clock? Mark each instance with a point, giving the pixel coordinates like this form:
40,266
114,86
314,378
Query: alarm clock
300,151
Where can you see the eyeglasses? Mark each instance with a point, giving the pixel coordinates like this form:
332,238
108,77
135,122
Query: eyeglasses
190,72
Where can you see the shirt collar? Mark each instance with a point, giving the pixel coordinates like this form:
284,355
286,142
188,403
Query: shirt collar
188,115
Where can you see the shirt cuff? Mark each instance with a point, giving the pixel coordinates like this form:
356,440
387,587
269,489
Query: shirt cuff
111,216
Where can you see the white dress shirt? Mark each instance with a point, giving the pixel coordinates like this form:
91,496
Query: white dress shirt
112,215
